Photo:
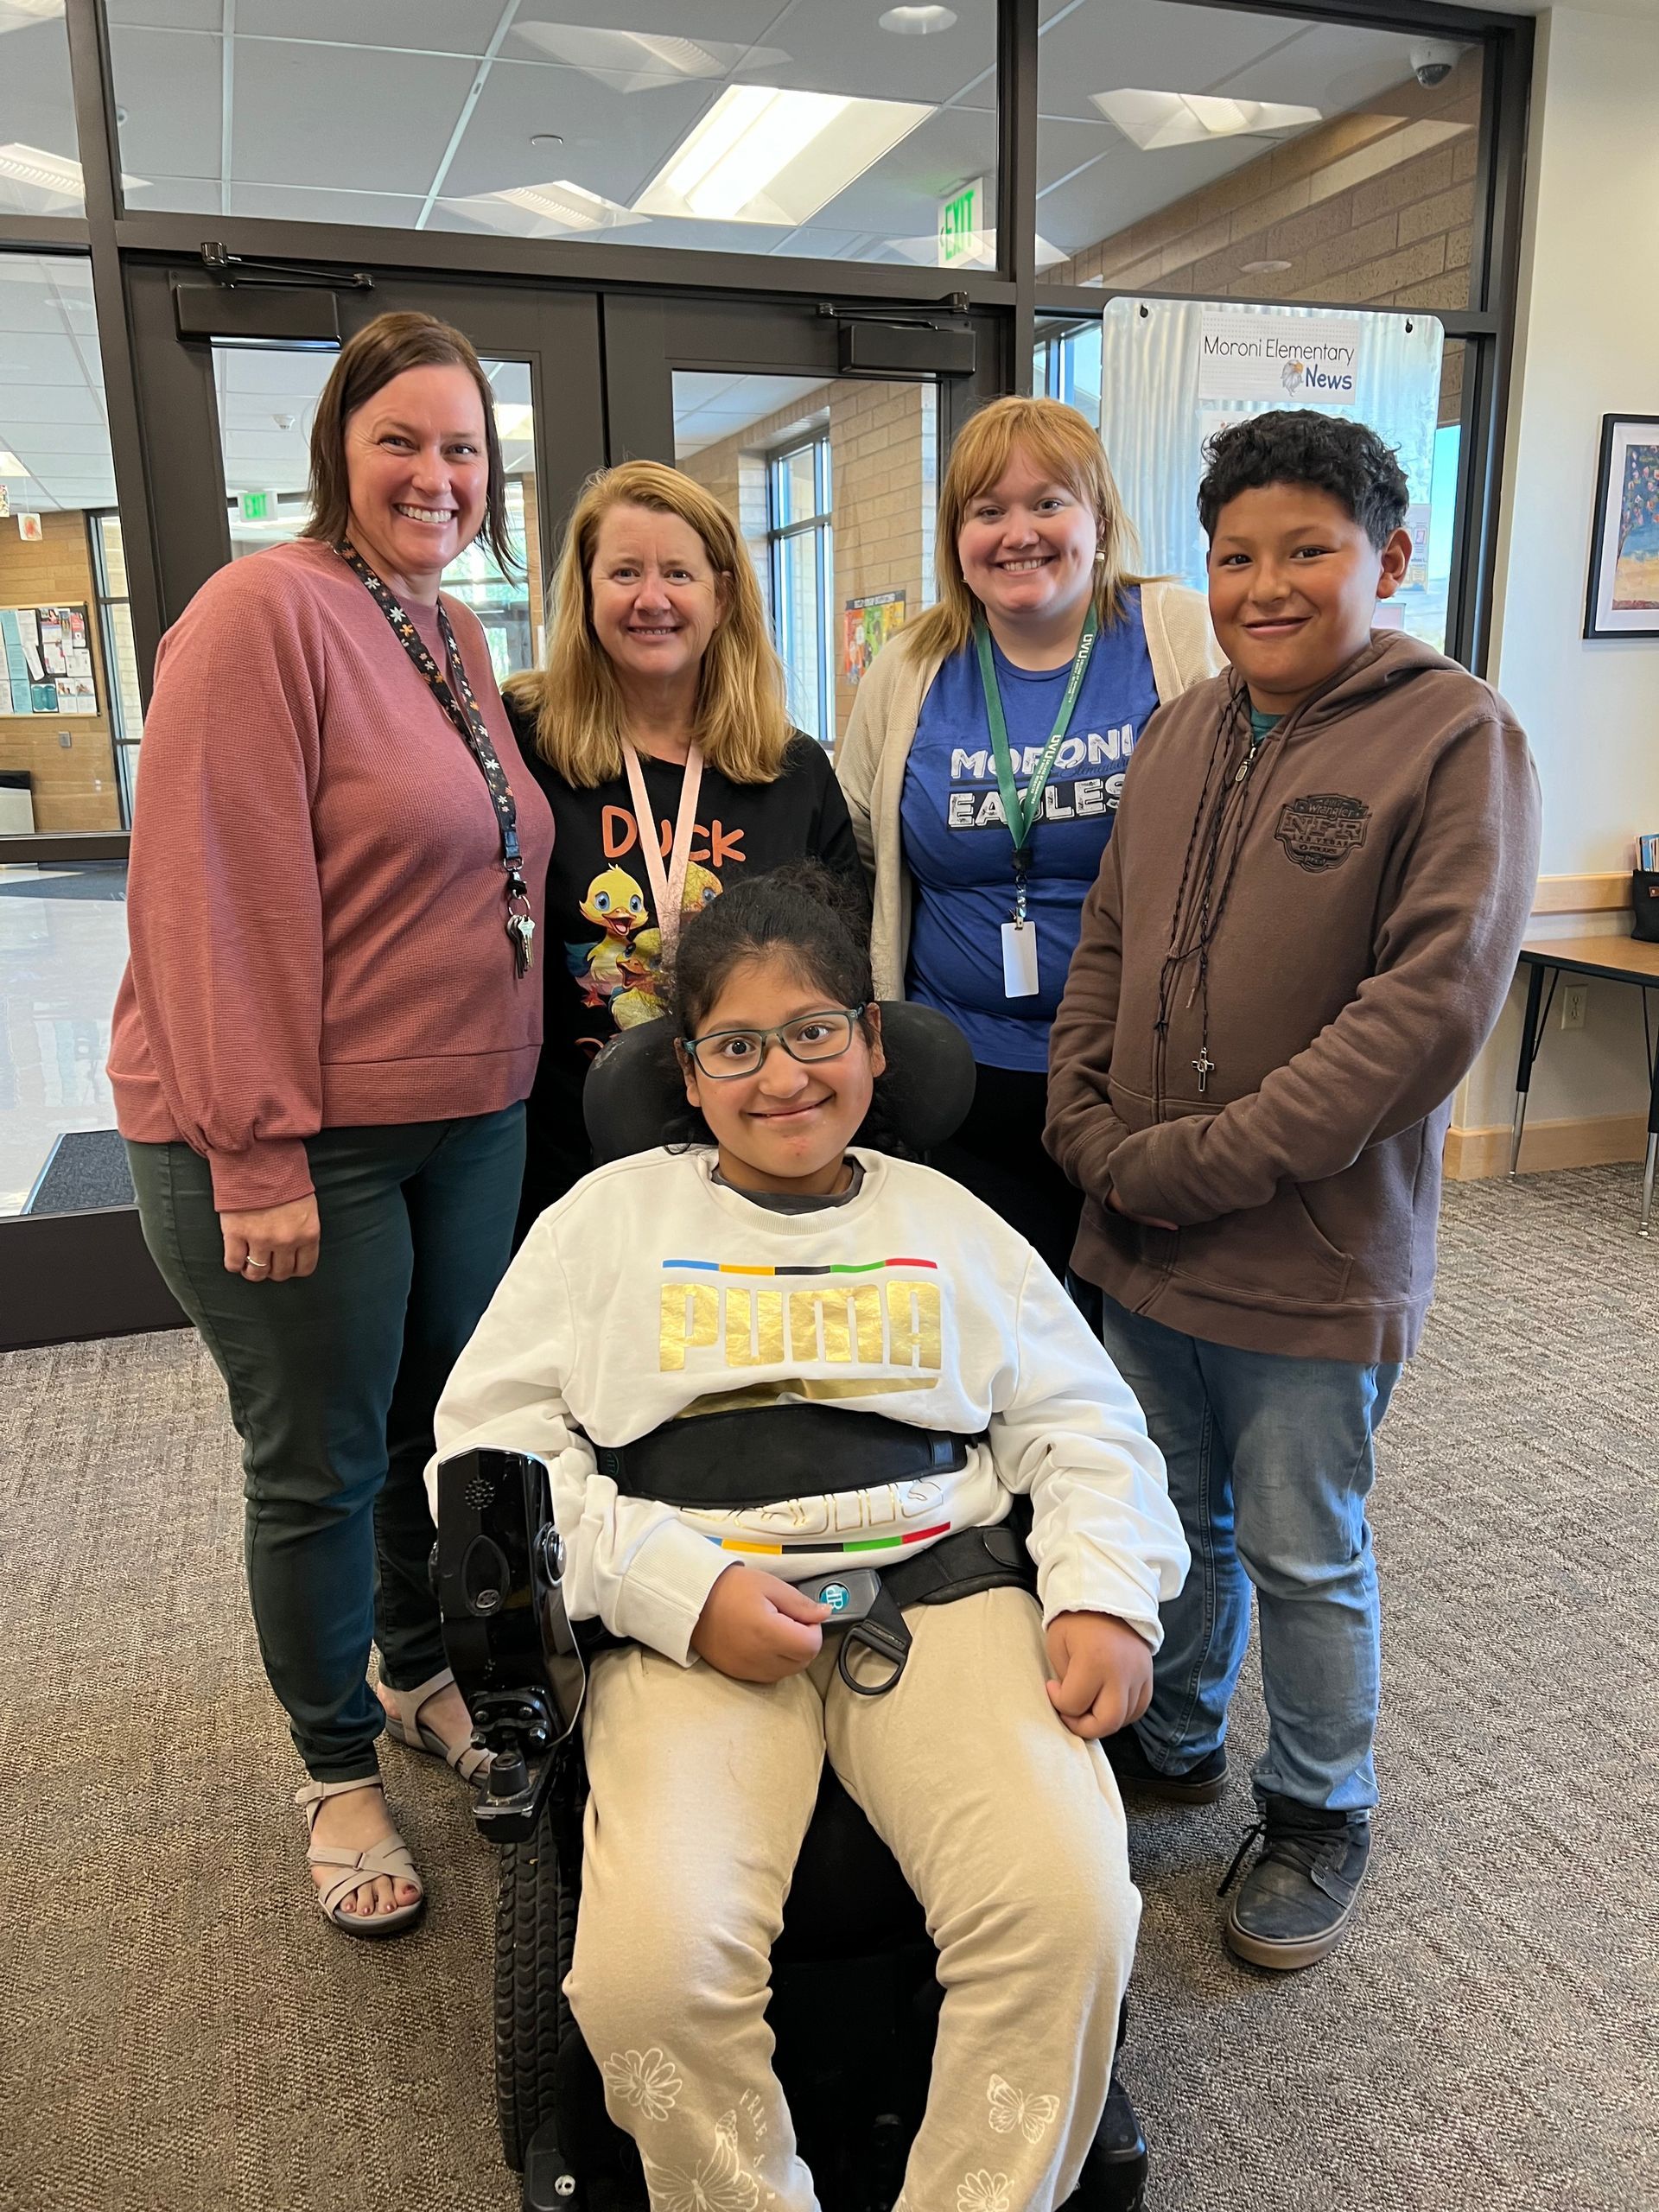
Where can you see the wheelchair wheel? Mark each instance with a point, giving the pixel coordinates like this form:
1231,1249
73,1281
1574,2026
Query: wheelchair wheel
535,1936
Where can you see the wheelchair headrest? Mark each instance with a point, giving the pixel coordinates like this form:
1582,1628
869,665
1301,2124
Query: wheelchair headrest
635,1093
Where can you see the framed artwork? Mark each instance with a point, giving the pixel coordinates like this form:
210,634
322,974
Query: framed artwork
1624,596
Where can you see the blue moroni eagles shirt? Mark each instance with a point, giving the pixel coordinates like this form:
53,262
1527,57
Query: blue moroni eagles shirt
957,842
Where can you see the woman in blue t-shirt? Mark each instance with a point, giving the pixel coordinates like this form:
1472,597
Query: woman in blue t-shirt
984,762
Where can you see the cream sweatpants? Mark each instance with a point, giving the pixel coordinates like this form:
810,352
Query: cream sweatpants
1008,1829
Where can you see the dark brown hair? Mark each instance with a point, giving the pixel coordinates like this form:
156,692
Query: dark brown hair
383,349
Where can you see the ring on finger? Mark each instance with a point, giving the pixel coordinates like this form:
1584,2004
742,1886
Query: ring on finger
256,1267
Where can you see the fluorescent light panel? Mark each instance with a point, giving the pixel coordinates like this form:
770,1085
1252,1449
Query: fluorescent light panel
534,210
19,15
9,464
639,61
1153,120
52,173
766,155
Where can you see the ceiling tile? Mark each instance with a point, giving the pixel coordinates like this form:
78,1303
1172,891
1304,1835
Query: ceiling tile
363,123
418,26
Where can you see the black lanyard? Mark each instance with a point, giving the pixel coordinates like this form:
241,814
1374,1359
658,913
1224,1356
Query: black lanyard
469,721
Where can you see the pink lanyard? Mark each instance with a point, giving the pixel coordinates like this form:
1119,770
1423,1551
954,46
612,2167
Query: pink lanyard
667,886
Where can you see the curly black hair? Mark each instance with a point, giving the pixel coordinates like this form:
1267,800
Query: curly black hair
1300,445
803,914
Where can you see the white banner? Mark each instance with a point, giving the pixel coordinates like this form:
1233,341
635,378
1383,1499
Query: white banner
1243,354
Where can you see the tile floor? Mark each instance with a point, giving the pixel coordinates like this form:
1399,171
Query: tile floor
63,945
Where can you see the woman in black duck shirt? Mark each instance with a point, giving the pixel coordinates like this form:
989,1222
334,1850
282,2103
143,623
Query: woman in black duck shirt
662,697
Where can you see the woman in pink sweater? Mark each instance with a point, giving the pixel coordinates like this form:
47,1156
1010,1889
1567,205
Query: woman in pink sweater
327,1028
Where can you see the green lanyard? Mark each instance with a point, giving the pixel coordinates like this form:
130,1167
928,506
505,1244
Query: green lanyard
1024,809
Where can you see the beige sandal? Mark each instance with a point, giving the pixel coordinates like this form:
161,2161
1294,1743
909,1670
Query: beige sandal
391,1859
404,1726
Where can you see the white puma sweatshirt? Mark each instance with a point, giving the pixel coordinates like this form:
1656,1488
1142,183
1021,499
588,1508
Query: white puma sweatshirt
651,1292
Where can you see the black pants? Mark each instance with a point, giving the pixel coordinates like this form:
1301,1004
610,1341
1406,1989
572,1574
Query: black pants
333,1381
998,1155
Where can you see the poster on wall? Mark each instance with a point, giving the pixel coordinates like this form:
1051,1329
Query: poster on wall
1624,596
1173,372
47,655
870,622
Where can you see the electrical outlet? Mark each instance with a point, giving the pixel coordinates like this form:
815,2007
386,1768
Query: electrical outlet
1573,998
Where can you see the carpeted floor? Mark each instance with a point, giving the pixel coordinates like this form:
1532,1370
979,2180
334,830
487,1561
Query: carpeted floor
180,2032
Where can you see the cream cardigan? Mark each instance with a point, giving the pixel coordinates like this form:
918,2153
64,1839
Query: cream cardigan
870,759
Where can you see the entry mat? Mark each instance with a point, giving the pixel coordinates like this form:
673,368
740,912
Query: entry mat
86,1169
101,879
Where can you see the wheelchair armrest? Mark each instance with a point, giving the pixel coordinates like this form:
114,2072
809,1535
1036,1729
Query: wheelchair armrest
506,1632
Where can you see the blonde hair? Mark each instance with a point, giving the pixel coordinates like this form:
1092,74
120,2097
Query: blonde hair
1057,441
742,721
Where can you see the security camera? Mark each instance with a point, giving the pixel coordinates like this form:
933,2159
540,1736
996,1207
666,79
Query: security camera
1432,62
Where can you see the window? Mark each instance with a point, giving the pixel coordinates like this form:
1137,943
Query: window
1066,366
801,565
1223,154
782,131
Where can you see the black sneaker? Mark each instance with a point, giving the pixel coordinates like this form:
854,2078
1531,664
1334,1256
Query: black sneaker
1300,1896
1199,1784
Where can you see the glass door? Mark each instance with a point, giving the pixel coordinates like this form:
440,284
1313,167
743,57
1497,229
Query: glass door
821,432
227,431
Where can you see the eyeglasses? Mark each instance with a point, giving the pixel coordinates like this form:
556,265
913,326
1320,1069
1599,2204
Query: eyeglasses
725,1054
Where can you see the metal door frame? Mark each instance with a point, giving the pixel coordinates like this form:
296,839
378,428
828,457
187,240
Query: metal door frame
67,1276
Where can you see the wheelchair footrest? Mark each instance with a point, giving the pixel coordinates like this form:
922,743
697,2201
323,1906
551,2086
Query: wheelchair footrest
550,2185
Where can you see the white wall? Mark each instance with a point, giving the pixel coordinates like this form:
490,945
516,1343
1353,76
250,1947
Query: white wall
1588,346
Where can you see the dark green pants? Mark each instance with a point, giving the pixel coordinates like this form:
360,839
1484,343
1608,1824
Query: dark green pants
333,1381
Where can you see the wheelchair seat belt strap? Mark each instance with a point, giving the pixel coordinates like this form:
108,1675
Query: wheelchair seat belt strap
956,1566
882,1630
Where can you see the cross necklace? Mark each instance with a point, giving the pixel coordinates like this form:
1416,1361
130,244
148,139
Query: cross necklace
1204,1066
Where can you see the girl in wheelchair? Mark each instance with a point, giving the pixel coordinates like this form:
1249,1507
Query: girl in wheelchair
687,1338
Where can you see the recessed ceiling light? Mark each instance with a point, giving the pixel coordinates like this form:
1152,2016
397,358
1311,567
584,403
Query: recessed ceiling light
766,155
561,207
635,61
513,418
918,22
50,172
1262,268
1152,120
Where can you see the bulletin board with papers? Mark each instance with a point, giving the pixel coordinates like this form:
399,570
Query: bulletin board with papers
46,661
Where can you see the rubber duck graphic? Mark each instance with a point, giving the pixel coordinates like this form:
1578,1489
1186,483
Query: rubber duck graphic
637,1002
703,887
615,904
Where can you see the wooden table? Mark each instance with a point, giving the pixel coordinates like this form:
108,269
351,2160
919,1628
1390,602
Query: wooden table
1619,960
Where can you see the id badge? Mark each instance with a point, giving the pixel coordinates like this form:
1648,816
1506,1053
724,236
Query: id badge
1019,960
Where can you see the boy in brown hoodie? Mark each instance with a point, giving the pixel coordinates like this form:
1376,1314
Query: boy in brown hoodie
1304,928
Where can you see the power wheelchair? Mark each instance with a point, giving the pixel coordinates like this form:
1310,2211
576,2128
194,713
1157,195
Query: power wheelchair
855,2001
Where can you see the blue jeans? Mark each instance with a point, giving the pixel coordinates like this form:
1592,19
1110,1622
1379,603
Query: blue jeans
333,1381
1271,1463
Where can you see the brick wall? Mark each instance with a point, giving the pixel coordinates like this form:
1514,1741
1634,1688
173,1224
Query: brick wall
883,472
1371,210
74,787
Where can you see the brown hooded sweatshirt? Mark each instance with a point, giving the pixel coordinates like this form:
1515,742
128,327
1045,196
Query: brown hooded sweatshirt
1337,950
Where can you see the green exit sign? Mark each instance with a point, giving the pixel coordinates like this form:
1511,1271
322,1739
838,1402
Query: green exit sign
961,221
256,506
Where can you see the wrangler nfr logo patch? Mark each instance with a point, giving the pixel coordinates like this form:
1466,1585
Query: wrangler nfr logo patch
1319,831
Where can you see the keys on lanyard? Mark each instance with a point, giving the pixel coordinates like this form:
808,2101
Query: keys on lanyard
521,930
